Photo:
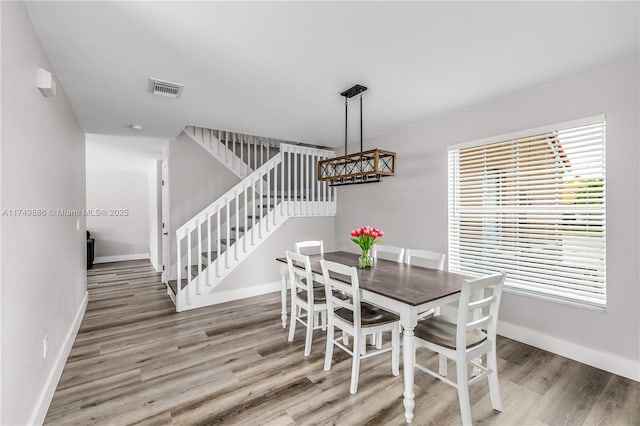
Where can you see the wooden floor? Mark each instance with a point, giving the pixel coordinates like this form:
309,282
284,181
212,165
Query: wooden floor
137,361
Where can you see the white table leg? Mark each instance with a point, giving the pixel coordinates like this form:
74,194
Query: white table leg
408,320
283,300
408,355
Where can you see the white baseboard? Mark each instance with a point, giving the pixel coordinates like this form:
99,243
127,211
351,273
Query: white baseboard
46,395
120,258
593,357
236,294
243,293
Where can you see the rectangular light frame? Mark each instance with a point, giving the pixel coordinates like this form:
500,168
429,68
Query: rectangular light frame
359,167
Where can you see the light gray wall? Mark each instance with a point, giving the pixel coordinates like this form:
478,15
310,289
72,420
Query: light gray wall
43,258
412,207
112,191
261,267
196,179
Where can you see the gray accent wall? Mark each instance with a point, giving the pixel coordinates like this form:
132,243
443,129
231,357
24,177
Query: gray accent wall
43,272
412,207
196,179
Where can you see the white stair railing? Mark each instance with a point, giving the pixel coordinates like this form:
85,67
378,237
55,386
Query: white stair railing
231,227
240,153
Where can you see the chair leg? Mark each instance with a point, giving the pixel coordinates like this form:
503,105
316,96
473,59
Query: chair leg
292,326
494,384
372,339
355,363
463,391
362,344
328,353
323,319
379,340
442,365
309,337
395,350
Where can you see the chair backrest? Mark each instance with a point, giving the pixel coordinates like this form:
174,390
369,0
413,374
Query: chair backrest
487,307
350,292
300,274
381,251
426,258
310,247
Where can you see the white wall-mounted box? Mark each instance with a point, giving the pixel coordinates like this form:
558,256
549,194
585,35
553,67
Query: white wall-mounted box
46,83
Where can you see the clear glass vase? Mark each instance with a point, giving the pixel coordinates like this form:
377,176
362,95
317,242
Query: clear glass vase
365,261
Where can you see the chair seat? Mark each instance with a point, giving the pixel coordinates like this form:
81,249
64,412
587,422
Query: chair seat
318,295
369,315
441,332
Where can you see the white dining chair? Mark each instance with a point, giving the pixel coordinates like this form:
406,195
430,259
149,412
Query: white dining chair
381,251
426,258
357,319
304,297
466,340
310,247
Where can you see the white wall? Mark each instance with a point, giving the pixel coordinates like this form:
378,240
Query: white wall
122,175
43,258
412,207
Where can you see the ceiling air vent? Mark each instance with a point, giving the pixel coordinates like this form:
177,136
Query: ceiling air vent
165,88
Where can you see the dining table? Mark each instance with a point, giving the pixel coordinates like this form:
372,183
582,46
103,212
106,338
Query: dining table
406,290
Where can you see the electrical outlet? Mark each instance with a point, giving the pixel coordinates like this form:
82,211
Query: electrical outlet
45,346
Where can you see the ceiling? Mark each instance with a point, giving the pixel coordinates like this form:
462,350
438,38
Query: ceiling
276,68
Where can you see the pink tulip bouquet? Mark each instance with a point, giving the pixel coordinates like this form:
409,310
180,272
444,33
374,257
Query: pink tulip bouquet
366,237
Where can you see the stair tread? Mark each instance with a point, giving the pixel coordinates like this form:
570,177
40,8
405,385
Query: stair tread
240,228
224,241
195,267
214,254
173,284
194,270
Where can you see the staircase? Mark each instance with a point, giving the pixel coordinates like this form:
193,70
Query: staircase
278,182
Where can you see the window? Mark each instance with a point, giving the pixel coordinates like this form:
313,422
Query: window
532,205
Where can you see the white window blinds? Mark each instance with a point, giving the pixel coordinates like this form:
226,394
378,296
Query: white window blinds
533,207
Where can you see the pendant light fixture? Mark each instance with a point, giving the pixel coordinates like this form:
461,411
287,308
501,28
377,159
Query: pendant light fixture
360,167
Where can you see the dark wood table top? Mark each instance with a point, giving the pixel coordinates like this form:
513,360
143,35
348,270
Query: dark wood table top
410,284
